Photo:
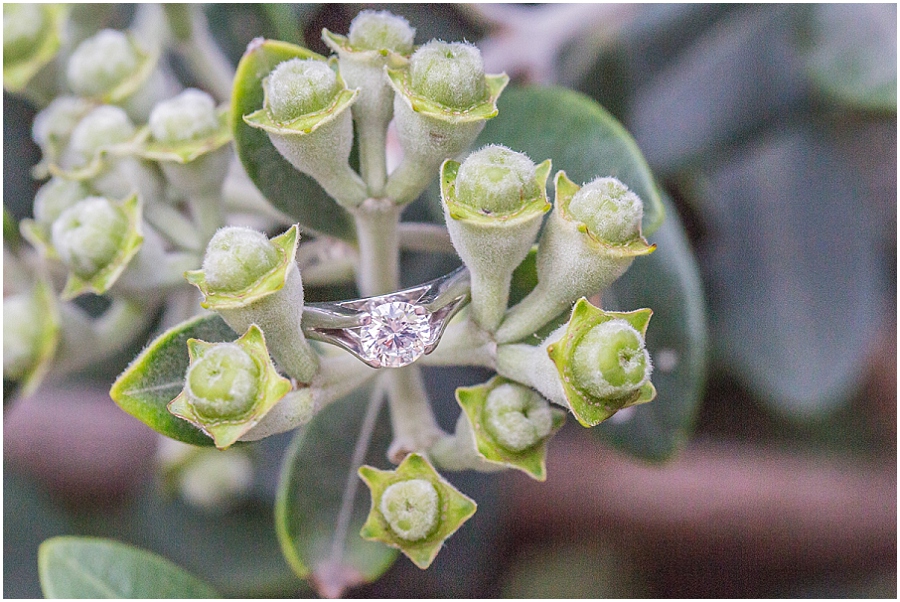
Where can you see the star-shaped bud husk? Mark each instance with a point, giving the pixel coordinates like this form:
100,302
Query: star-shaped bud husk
528,210
414,509
589,409
130,244
258,397
270,282
486,109
530,435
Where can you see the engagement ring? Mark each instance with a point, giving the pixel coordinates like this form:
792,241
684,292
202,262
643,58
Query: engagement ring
393,330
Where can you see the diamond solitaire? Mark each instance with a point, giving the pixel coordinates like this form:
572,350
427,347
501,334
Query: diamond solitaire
395,334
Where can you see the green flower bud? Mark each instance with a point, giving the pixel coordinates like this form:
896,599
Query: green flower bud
23,30
237,258
251,280
30,335
494,204
189,116
229,387
590,239
101,63
88,236
518,418
451,74
298,87
611,360
609,209
413,508
223,383
511,424
103,127
56,196
53,127
496,179
381,30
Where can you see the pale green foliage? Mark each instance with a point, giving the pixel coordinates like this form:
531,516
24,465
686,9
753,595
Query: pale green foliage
451,74
609,209
88,235
188,116
101,63
611,360
377,30
299,87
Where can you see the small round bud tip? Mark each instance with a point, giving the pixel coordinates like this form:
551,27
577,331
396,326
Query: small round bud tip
298,87
101,63
88,236
516,417
411,509
56,196
54,124
238,257
103,126
611,360
451,74
381,30
609,209
23,26
189,116
223,384
21,335
496,179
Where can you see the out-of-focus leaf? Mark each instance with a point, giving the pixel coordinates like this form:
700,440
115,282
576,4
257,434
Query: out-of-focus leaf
738,75
852,53
580,137
668,282
87,567
294,193
793,275
156,377
317,480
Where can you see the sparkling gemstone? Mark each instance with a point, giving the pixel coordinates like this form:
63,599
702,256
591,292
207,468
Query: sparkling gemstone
395,334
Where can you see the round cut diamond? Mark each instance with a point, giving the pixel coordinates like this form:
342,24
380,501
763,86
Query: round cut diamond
395,334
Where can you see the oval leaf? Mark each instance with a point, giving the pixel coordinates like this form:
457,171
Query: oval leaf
85,567
294,193
668,282
578,135
156,377
317,477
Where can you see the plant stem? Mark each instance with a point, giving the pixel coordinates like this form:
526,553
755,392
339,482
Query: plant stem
208,213
372,157
412,420
205,59
428,238
379,246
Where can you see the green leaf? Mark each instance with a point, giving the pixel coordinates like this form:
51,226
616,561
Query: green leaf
668,282
852,55
317,477
84,567
294,193
156,377
578,135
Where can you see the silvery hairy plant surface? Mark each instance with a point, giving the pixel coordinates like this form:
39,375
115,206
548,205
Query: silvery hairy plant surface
224,219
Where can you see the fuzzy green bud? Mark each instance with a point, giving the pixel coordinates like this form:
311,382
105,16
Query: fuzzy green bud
24,26
54,124
101,63
496,179
611,360
516,417
451,74
22,334
609,209
223,384
298,87
189,116
56,196
89,235
104,126
237,257
381,30
411,508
